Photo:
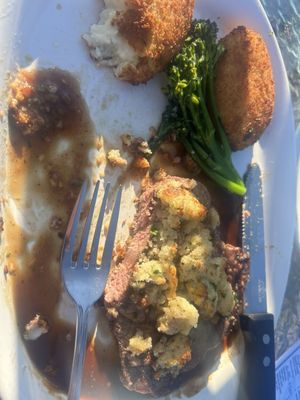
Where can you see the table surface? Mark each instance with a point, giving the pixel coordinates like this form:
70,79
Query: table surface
284,16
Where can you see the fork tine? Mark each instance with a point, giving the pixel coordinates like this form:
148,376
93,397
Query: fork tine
87,227
110,238
70,236
95,244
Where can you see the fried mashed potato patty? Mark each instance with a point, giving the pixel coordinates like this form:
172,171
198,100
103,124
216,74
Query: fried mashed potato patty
138,38
244,87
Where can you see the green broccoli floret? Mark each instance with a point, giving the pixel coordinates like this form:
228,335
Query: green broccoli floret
191,112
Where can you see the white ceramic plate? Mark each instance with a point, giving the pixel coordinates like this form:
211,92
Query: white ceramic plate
49,32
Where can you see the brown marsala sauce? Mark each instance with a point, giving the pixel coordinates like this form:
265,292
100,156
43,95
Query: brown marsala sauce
45,106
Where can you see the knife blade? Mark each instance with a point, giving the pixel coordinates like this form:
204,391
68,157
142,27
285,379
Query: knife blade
253,240
258,369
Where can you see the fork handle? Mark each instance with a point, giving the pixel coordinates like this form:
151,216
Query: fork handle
79,353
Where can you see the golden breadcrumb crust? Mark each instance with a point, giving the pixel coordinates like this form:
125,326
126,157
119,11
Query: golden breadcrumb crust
244,87
156,30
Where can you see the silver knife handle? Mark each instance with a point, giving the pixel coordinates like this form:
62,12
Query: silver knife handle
258,369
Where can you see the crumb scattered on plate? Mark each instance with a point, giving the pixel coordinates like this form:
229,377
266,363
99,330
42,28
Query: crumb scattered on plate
115,159
36,328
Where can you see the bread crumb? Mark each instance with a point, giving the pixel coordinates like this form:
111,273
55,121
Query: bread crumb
115,159
106,226
141,163
143,146
112,312
139,345
100,159
35,328
99,143
55,223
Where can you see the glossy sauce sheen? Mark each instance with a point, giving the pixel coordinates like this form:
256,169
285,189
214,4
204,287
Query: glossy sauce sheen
37,169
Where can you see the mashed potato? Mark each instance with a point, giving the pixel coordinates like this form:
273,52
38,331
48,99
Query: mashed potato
107,46
138,38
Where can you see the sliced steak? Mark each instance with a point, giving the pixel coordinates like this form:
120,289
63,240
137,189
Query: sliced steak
237,270
119,278
128,314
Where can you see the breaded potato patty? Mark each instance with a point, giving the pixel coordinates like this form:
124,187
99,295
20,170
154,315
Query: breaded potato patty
244,87
138,38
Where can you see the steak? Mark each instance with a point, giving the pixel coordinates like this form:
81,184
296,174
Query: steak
129,313
118,281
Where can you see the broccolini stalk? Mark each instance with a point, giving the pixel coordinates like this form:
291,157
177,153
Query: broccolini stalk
191,112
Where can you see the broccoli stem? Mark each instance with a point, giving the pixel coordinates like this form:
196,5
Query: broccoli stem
212,170
158,139
216,117
192,112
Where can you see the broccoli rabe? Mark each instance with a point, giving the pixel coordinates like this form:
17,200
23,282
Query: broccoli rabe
191,112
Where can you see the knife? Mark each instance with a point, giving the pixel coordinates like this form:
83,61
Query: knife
258,369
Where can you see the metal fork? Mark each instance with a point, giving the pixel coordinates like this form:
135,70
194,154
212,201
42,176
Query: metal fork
85,280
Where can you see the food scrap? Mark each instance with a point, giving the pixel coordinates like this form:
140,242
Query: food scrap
139,38
38,105
36,328
115,159
244,87
141,163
